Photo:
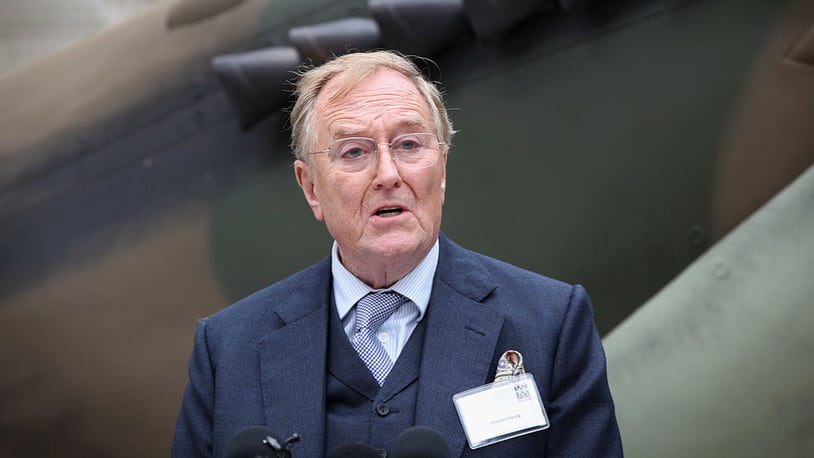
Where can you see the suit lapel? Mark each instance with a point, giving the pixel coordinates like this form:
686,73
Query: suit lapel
459,346
293,364
460,342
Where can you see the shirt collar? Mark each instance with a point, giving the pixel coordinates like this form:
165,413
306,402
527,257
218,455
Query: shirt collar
415,286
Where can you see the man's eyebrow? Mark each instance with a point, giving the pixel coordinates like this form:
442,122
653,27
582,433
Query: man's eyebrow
348,132
411,122
360,131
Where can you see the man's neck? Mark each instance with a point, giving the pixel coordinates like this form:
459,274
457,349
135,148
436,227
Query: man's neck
380,275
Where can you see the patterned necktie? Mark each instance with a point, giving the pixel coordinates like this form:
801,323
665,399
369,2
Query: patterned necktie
371,311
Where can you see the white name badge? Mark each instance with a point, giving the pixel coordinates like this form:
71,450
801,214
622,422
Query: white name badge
499,411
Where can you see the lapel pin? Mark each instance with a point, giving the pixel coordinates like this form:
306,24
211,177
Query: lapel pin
509,365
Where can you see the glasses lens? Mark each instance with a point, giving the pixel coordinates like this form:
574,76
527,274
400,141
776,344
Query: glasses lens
352,154
416,151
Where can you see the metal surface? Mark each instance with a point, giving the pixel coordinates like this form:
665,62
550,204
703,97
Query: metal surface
719,362
609,144
32,29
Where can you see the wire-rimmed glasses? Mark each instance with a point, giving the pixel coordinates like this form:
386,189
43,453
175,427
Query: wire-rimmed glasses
411,151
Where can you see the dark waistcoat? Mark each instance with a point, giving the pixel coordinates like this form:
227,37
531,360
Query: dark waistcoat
357,409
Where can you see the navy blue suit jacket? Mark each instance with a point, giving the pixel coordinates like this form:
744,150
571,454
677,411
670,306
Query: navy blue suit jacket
262,361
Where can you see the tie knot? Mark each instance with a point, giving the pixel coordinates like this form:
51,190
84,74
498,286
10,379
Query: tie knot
374,309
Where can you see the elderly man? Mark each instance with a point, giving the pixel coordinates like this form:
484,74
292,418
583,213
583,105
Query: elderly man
380,335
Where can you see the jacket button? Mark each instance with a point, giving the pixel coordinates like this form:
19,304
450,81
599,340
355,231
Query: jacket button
382,409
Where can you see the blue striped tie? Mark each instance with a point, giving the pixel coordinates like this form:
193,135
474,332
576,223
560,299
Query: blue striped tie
371,311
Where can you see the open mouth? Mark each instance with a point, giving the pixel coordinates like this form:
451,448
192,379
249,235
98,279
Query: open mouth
388,211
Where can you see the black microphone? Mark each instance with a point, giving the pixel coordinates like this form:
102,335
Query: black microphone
355,450
420,442
258,442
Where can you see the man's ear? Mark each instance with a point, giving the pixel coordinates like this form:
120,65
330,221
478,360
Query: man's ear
305,178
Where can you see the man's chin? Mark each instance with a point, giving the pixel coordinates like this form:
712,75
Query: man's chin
397,246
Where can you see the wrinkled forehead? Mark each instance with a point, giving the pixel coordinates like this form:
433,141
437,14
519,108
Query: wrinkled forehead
345,97
342,84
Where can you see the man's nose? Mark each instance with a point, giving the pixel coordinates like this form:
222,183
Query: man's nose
387,171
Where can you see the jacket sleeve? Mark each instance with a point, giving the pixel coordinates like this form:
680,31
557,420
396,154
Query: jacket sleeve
193,430
581,411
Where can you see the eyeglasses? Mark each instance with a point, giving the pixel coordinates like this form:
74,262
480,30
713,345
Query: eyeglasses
411,151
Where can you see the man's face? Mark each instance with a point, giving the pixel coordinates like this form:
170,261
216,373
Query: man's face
383,216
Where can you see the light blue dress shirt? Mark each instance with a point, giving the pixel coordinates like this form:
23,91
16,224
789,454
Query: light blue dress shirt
416,286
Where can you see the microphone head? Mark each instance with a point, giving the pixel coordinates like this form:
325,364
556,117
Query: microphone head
255,442
354,450
420,442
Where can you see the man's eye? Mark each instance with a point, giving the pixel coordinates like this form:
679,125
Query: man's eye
352,152
407,144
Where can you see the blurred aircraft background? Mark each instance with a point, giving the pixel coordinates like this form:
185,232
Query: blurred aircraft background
146,182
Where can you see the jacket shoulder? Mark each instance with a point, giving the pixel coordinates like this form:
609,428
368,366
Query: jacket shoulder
277,303
464,266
